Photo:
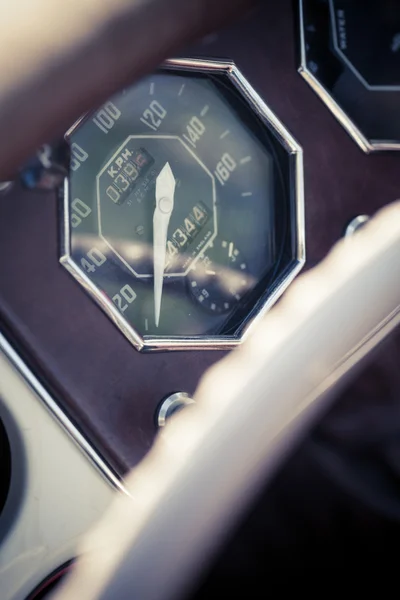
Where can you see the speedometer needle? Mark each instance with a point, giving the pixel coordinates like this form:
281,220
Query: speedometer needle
165,190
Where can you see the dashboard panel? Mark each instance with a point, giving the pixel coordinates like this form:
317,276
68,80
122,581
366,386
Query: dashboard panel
109,389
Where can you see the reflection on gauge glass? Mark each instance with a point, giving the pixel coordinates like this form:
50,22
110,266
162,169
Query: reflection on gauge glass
351,57
181,207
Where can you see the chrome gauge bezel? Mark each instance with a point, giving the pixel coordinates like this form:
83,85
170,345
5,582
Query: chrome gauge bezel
258,106
367,145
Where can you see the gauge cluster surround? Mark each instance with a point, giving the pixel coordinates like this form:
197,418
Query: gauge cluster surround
350,56
183,211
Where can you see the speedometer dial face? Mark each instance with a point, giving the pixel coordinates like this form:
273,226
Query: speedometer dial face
183,207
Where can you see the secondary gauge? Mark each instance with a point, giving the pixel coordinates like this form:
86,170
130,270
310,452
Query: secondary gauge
220,278
350,55
183,210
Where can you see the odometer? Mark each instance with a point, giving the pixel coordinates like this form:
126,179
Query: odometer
175,173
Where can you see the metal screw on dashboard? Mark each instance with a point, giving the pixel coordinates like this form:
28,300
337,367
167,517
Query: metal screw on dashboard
355,225
171,405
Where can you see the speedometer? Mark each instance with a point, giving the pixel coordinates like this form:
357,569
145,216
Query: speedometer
183,211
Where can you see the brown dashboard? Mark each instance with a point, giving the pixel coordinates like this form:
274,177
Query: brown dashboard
108,388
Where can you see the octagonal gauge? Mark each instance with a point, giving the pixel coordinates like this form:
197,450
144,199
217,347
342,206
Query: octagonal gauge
350,55
183,210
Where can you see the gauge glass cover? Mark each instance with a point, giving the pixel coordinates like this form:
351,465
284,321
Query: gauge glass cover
183,211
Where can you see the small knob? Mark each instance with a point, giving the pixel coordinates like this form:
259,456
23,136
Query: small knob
355,225
170,405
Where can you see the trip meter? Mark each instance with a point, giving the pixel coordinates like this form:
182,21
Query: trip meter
183,211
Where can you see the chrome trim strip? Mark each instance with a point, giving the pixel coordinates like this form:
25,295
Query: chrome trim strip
198,64
56,411
71,130
265,114
368,146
